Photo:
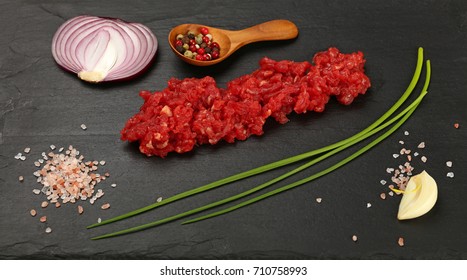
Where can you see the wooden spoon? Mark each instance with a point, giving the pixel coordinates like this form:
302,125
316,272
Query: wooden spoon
231,40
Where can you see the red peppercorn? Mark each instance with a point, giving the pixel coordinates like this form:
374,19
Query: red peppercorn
204,30
215,45
214,54
206,56
206,39
192,48
200,51
199,57
179,43
192,42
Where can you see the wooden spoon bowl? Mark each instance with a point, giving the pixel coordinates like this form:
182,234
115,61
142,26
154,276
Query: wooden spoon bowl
231,40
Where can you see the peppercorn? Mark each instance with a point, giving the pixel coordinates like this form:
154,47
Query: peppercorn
188,54
203,45
179,48
179,36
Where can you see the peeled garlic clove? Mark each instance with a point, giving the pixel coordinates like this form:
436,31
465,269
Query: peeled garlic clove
419,197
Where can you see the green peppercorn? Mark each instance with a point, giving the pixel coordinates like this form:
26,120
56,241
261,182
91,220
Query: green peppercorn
186,46
180,36
188,54
191,34
199,39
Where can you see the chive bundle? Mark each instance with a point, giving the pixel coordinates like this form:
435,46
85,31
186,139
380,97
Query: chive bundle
325,152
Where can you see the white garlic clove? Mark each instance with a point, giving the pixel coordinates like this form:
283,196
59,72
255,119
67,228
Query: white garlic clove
419,197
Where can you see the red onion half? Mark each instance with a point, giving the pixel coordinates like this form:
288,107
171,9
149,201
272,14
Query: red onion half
103,49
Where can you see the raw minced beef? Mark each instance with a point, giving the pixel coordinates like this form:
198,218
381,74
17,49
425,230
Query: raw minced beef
194,111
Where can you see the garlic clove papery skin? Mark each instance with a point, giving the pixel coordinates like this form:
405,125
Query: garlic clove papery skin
419,197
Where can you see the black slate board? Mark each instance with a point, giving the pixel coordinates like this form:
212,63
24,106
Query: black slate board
41,105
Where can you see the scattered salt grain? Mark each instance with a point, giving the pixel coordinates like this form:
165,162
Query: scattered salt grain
113,185
415,154
99,220
401,142
383,196
421,145
449,163
400,241
456,125
80,209
33,212
383,182
37,164
57,204
319,199
48,230
354,238
18,155
83,126
22,158
60,150
36,191
423,158
391,193
159,199
44,204
368,205
450,175
389,170
21,178
105,206
52,147
395,155
27,150
406,133
43,219
102,162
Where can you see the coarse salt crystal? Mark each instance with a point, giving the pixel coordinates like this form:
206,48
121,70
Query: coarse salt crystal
52,147
83,126
43,219
105,206
406,133
423,158
99,220
389,170
391,193
395,155
48,230
383,182
401,142
450,174
383,196
27,150
80,209
113,185
456,125
33,212
102,162
400,241
421,145
23,158
61,149
36,191
354,238
18,155
44,204
319,199
21,178
368,205
159,199
449,163
415,154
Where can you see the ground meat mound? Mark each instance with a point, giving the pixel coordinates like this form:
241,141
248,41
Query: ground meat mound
195,111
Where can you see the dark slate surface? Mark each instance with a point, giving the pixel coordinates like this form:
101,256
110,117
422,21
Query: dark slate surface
41,105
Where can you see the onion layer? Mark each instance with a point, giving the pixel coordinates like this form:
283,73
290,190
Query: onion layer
103,49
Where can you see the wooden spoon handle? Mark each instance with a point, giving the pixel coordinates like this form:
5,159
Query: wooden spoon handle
271,30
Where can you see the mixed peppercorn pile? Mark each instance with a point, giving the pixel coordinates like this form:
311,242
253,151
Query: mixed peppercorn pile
194,111
197,46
